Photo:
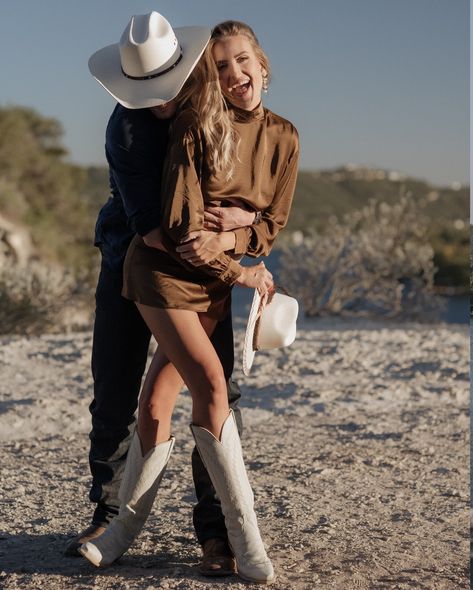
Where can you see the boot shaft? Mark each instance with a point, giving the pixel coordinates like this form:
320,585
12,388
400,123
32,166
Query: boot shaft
224,461
143,474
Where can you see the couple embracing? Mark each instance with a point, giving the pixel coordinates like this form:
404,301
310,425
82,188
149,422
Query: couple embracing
201,174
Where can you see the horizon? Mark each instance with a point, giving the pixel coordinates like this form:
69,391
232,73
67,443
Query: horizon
351,167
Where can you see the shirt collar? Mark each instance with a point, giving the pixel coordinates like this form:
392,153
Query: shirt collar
242,116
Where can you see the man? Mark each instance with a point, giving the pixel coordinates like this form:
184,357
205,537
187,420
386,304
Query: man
145,73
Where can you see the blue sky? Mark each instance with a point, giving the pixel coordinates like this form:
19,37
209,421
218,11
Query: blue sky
377,82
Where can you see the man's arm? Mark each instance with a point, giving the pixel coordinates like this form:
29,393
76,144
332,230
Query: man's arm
136,148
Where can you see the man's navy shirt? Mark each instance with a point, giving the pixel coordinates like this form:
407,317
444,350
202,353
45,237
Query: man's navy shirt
135,148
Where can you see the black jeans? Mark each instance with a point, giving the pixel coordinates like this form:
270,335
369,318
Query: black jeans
119,352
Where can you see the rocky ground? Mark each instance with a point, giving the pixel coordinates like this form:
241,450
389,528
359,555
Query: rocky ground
356,441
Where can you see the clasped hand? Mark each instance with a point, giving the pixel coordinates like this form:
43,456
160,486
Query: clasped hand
227,218
202,246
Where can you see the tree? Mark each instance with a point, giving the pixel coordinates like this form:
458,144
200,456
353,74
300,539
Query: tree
40,190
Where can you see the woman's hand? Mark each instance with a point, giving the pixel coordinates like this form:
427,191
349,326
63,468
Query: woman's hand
257,277
227,218
200,247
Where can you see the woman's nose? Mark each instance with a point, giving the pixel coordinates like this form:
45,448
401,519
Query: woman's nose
234,71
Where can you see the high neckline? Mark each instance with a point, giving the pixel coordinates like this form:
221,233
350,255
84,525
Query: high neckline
244,116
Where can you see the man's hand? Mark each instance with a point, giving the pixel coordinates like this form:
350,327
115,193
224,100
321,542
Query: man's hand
200,247
153,239
227,218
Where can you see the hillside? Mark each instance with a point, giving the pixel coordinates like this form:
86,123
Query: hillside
320,194
56,202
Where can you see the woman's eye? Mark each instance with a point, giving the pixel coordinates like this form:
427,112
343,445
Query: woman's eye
242,58
221,66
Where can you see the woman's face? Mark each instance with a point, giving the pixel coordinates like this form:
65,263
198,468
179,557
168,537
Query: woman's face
240,72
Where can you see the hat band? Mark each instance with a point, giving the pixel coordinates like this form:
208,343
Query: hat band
153,75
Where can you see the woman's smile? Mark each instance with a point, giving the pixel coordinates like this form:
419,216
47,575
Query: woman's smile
240,90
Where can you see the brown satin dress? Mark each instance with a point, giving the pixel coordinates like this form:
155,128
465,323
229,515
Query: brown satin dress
264,179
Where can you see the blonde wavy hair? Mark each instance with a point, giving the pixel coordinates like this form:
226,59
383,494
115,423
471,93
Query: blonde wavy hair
202,93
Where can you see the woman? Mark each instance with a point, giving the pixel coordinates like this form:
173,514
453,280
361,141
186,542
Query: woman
226,147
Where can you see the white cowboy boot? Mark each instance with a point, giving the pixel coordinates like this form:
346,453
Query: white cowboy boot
138,490
224,462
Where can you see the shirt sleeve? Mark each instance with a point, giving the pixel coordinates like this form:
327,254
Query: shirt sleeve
135,170
182,199
242,240
274,218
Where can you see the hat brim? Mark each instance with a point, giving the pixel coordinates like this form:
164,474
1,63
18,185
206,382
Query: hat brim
105,66
248,351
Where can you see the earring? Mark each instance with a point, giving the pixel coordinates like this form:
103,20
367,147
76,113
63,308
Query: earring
265,84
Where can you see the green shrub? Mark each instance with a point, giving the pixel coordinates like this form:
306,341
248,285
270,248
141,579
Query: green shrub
376,262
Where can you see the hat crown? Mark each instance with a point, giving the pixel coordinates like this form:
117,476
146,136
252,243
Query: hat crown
148,45
278,323
270,325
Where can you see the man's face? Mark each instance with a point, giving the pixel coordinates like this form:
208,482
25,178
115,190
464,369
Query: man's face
165,110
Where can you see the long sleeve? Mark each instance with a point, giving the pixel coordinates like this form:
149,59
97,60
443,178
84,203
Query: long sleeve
140,203
242,240
259,239
182,199
135,147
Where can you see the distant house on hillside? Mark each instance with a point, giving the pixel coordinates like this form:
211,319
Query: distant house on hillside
358,172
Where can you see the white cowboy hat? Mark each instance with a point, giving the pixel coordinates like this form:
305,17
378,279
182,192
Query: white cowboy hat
270,325
151,63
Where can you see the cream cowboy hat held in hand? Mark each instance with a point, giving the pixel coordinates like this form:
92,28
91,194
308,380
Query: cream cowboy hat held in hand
270,325
151,63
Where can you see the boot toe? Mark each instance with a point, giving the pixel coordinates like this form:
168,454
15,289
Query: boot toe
260,573
72,546
92,553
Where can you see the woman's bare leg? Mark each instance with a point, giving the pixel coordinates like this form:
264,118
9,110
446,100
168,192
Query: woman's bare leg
185,350
157,400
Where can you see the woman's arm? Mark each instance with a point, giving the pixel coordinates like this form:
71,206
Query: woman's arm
259,238
182,200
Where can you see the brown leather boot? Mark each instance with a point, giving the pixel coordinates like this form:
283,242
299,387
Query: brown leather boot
217,558
71,549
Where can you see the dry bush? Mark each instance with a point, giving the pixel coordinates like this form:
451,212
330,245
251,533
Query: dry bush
38,298
377,262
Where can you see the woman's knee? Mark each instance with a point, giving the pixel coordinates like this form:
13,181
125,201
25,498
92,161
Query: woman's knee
210,384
